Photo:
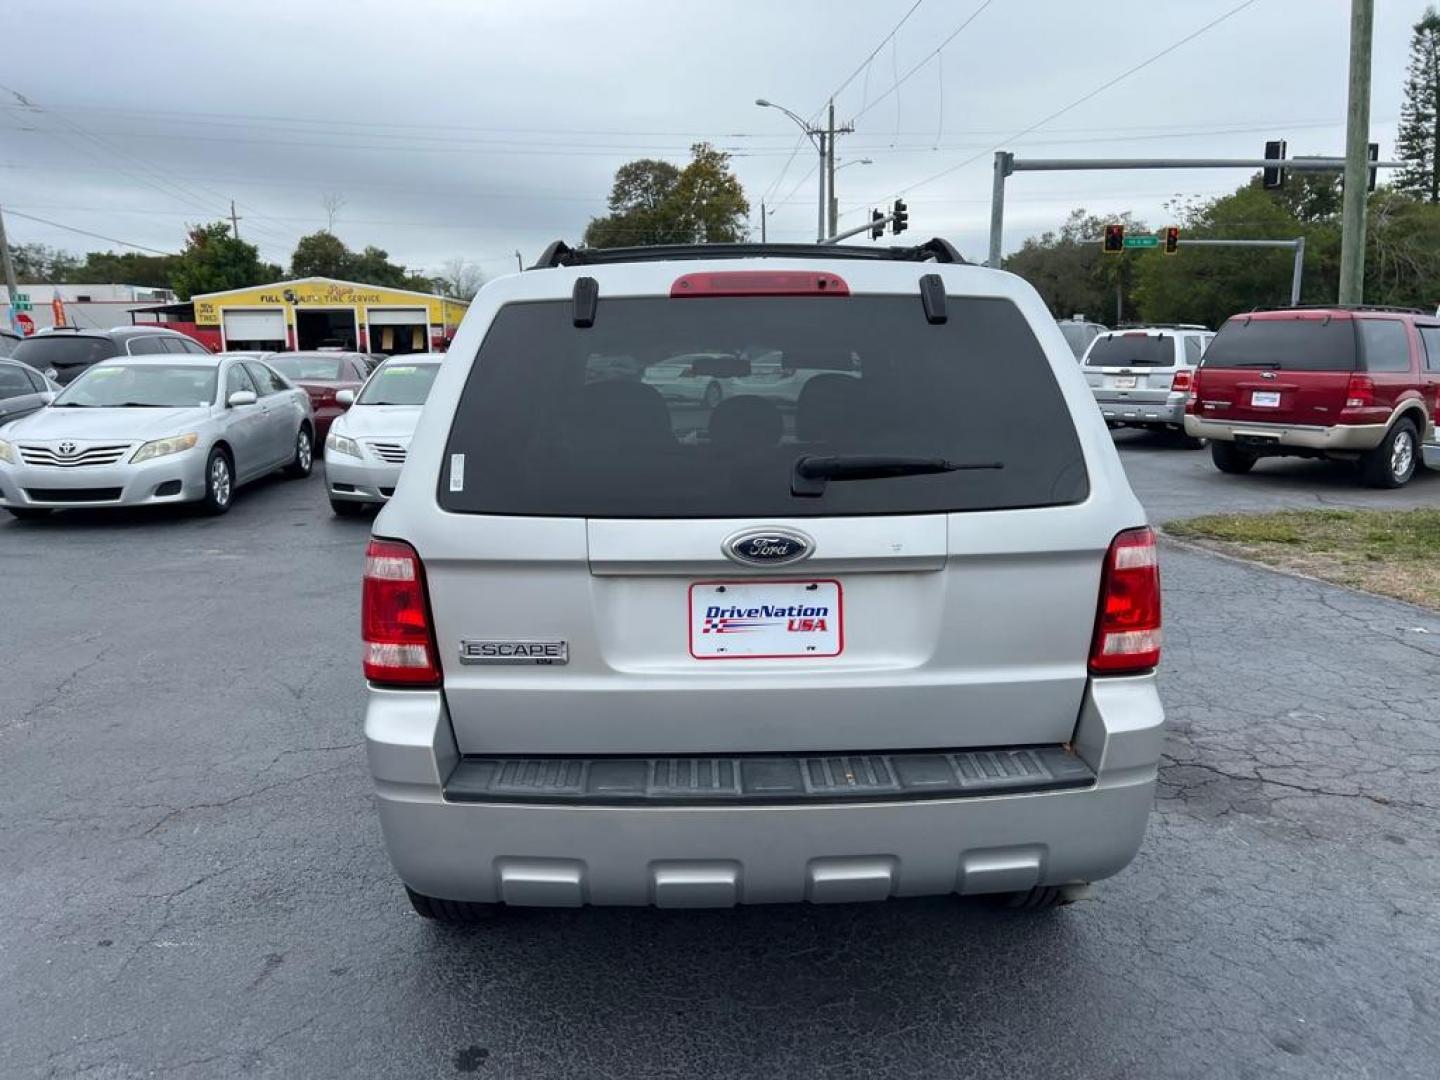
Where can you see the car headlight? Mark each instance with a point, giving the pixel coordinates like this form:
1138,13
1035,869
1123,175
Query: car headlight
7,452
163,447
342,444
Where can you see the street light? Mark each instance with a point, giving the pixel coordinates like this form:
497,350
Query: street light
817,138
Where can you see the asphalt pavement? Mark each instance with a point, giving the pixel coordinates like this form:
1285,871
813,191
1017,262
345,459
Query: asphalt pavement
192,882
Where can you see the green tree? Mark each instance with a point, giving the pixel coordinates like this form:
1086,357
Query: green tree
1418,142
654,202
321,254
213,260
1077,278
125,268
40,264
1402,251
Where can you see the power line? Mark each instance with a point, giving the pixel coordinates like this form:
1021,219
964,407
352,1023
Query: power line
931,56
780,177
85,232
1085,97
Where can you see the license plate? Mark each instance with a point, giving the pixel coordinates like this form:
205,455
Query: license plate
766,620
1123,382
1265,399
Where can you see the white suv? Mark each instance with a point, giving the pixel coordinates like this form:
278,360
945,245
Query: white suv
889,642
1141,377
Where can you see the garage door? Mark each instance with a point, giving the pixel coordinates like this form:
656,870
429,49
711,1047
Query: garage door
254,326
398,316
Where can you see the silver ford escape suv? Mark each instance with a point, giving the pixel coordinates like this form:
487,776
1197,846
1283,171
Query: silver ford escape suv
860,629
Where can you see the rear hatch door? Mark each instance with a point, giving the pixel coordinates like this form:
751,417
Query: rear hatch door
67,355
1278,368
1131,365
705,600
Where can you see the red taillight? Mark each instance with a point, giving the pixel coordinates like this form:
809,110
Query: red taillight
1182,380
395,617
1193,401
759,283
1360,393
1127,628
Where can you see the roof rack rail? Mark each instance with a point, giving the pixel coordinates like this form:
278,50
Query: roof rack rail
1345,307
1161,326
561,254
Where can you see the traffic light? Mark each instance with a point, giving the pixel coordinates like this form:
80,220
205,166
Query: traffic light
877,224
1172,239
1114,239
1374,156
1274,178
901,219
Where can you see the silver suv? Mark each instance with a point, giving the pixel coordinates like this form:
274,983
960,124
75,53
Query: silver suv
888,642
1141,377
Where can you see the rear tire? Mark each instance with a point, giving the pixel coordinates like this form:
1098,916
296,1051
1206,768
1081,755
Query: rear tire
1392,463
451,912
1040,898
347,509
1229,458
304,461
28,513
219,483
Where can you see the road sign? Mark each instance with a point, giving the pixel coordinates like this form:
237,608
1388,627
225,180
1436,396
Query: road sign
26,324
1142,241
22,302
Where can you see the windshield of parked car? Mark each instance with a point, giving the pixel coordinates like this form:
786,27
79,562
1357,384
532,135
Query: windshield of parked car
1307,343
149,386
399,384
550,424
1132,350
1077,336
63,350
323,368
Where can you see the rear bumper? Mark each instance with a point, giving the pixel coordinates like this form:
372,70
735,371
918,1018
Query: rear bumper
359,481
1119,409
122,484
553,854
1338,437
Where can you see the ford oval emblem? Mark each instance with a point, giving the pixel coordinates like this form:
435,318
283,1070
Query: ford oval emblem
768,547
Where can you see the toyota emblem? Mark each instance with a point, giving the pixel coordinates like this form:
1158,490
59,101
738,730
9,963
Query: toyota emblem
67,448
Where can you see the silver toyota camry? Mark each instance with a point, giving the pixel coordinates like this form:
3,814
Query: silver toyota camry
366,446
136,430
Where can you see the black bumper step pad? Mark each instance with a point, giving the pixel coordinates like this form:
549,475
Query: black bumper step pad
773,778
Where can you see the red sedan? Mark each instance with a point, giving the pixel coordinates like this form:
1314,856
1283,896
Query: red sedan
322,375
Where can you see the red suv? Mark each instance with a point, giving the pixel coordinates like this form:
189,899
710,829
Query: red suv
1348,383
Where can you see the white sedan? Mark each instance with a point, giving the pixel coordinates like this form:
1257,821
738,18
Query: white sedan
367,444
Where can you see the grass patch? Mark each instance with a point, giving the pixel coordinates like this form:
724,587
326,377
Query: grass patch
1390,552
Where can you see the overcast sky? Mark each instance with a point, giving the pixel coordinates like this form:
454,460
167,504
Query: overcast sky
474,127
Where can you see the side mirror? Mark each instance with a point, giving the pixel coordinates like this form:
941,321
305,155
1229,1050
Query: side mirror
345,397
241,397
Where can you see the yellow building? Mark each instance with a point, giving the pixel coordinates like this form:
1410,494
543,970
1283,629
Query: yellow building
317,313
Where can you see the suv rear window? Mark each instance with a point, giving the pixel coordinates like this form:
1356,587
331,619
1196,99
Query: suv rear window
57,350
1303,344
621,419
1132,350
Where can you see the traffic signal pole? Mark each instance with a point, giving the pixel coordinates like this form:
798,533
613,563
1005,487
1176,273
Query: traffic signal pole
1007,163
12,290
1297,245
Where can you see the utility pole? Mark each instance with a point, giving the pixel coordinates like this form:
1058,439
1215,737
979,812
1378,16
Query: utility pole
1357,154
762,221
830,168
820,232
12,289
234,220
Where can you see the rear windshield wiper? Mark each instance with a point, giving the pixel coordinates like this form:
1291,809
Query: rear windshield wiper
812,473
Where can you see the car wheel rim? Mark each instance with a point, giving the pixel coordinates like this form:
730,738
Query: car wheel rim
1402,455
302,451
220,481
